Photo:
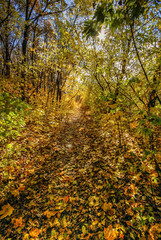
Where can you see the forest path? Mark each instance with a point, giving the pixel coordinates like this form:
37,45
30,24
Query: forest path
80,141
76,189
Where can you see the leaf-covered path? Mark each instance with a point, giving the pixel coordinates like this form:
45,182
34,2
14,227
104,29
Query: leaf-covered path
78,189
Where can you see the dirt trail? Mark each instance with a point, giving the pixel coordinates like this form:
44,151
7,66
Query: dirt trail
78,141
77,191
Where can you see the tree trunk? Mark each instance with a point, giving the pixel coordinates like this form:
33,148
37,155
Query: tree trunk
7,59
58,83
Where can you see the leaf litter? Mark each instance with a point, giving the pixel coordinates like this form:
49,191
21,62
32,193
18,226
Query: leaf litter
77,186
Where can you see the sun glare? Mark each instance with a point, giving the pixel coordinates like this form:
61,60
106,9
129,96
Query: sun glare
102,34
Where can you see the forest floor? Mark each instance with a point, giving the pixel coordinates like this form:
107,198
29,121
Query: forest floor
76,183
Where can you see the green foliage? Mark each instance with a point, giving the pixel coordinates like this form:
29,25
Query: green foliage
134,80
90,29
12,113
114,15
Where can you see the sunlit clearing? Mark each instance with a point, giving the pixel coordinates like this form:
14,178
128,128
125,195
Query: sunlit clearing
102,34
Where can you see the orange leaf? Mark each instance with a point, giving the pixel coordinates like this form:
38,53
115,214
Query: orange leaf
35,232
18,222
133,125
66,199
49,213
133,188
121,236
22,187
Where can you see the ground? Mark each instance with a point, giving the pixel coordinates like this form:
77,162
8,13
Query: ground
76,183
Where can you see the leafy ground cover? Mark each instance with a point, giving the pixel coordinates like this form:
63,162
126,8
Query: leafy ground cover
75,182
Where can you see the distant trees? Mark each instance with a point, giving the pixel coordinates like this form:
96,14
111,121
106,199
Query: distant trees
38,45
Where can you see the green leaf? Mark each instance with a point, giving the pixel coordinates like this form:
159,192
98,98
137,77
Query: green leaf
84,229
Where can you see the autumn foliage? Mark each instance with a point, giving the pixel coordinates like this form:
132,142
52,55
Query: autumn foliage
80,120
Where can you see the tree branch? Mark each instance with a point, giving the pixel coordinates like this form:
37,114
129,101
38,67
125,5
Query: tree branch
137,53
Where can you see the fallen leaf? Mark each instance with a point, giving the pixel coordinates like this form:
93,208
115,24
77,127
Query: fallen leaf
34,232
26,236
133,125
17,222
6,211
49,214
64,222
22,187
154,230
61,237
110,233
66,199
84,229
15,193
107,206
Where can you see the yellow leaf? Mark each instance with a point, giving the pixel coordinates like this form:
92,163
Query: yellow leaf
32,49
103,222
93,201
64,222
56,222
132,150
84,229
133,124
51,197
26,236
110,233
61,237
6,211
107,206
15,193
94,223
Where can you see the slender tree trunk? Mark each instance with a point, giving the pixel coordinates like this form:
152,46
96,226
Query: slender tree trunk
138,56
24,44
24,52
7,59
58,83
